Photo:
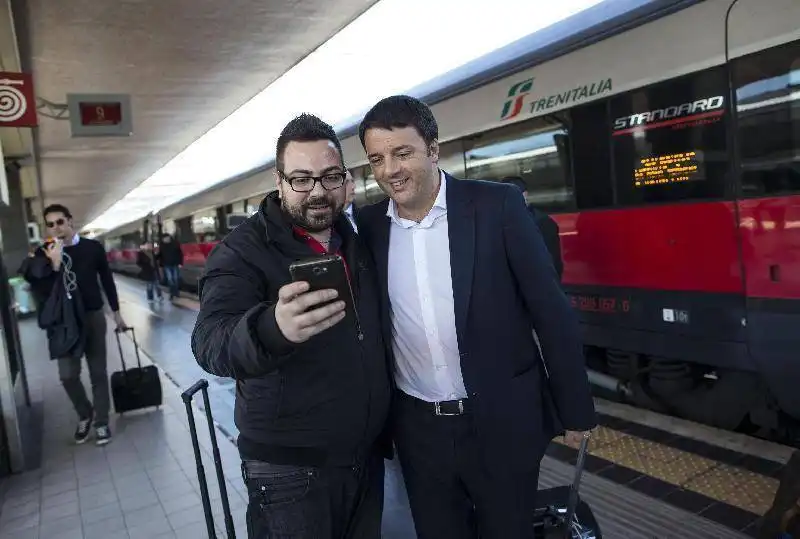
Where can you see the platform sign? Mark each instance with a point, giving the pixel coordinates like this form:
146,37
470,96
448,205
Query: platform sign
17,100
100,115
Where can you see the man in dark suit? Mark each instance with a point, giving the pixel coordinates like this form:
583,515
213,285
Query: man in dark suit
547,226
350,209
465,276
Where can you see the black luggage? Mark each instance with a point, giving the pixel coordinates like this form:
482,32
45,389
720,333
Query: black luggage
202,385
782,520
560,512
135,388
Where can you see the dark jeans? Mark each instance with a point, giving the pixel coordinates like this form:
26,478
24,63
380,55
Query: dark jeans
303,502
69,370
153,289
453,491
173,276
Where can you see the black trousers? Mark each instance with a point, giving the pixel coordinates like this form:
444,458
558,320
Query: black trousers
454,492
69,371
304,502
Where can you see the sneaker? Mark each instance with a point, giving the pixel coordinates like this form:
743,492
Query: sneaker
83,430
103,435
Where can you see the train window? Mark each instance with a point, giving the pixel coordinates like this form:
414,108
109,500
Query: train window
204,226
669,140
132,240
366,190
451,159
768,111
591,156
537,151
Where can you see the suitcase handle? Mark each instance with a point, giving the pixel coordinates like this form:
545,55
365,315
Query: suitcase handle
572,501
117,332
197,386
187,396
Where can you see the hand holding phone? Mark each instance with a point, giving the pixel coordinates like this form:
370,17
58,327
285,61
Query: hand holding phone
302,313
54,251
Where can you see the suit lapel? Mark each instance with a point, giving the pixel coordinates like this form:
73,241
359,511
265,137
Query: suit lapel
461,233
380,245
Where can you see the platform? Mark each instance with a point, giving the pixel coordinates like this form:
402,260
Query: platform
643,481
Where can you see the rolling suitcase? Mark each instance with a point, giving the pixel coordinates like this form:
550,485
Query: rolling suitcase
134,388
560,512
187,396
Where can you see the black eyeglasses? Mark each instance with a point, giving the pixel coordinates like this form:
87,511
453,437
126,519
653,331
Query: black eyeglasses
306,184
57,222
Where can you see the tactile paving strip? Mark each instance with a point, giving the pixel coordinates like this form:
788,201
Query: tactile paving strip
722,482
741,488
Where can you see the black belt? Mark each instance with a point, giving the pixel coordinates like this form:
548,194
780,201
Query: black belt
442,408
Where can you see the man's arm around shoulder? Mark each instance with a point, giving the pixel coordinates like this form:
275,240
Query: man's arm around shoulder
552,316
236,334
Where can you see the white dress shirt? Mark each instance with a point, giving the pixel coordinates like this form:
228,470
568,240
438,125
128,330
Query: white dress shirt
428,364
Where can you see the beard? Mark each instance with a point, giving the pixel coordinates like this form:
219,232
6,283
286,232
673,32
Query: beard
315,214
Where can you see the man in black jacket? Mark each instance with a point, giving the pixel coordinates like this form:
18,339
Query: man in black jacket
170,256
313,388
350,209
79,261
547,226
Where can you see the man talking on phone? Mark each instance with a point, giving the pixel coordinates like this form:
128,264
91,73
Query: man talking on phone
81,262
312,383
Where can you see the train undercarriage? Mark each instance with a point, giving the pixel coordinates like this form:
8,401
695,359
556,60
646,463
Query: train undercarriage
727,399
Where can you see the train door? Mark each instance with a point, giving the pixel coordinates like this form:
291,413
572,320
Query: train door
766,138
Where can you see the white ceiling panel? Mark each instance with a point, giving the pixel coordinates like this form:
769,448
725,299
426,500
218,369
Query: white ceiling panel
186,63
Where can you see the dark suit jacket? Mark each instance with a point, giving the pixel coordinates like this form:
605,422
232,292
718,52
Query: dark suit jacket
504,284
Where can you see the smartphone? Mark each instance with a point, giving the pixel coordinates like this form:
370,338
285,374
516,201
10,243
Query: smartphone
325,272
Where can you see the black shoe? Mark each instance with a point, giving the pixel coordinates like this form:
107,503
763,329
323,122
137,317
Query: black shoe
83,430
102,435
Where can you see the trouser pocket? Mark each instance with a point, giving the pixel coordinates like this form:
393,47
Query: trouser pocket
281,502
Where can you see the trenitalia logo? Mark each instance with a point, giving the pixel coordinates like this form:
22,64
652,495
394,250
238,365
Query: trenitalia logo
709,107
516,95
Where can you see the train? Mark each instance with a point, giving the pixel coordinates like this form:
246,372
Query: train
668,154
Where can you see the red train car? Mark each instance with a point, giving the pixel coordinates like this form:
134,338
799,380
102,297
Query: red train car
669,156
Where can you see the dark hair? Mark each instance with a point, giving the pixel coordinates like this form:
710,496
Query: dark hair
515,181
57,208
305,128
397,112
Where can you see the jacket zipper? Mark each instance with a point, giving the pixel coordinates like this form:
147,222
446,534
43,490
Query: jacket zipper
359,332
365,370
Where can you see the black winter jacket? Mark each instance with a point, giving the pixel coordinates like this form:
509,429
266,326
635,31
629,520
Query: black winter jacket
147,266
170,254
324,401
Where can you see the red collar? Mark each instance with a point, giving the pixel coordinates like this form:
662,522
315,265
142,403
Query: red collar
315,245
318,248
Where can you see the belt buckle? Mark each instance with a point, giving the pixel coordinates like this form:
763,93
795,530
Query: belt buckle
438,408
